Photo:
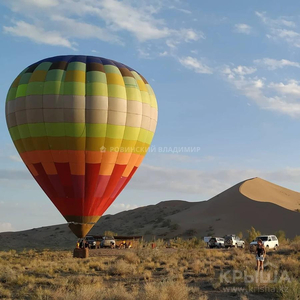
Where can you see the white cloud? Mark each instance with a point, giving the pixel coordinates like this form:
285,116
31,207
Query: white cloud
60,23
195,65
204,183
44,3
243,70
123,206
83,30
281,21
273,64
276,97
189,35
291,88
186,11
5,227
123,16
143,53
165,53
242,28
38,34
278,29
15,158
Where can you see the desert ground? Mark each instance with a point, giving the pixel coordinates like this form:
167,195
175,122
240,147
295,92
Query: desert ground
187,270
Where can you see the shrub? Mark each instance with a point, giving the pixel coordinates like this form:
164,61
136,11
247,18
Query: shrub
252,234
281,236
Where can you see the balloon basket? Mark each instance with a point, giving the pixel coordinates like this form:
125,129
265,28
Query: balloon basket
81,253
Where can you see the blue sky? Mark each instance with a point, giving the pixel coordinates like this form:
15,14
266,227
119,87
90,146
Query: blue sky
225,74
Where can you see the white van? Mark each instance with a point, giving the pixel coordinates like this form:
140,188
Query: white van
269,241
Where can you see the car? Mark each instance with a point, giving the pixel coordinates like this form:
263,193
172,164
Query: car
91,241
108,242
216,242
233,241
269,241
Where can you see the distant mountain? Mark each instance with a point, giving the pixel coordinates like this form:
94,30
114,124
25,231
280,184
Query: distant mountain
254,202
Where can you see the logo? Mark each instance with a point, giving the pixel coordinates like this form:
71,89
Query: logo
102,149
270,274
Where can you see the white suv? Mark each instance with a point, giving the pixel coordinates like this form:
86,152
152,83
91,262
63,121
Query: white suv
233,241
269,241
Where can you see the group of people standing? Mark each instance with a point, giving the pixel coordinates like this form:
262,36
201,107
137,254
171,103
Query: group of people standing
82,244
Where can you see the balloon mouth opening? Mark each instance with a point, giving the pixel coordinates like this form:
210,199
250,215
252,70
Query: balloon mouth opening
77,223
81,226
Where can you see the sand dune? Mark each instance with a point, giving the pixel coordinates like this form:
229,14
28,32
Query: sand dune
254,202
264,191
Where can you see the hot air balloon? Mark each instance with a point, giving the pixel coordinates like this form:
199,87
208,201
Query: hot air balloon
82,125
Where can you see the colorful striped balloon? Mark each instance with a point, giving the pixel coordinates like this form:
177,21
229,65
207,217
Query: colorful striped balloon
82,126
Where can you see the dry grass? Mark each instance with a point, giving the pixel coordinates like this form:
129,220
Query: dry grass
189,271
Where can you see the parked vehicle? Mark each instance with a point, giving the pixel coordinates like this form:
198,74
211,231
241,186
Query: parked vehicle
216,242
233,241
91,241
108,242
269,241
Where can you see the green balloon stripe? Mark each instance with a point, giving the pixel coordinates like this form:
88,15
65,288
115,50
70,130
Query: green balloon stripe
81,130
130,92
80,144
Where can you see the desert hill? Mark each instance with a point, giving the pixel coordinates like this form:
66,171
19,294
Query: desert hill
254,202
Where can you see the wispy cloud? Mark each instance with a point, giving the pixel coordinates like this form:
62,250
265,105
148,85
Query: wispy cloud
186,11
16,158
242,28
243,70
6,227
61,23
37,34
291,88
280,29
270,96
195,64
273,64
278,22
124,206
203,183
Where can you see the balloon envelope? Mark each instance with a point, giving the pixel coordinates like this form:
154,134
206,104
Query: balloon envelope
82,126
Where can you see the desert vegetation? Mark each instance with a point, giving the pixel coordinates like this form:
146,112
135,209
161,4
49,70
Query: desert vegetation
187,270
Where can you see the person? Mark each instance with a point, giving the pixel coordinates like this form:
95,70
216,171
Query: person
77,244
86,244
129,245
81,244
260,255
112,245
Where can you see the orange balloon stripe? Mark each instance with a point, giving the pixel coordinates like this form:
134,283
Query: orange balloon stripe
78,160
